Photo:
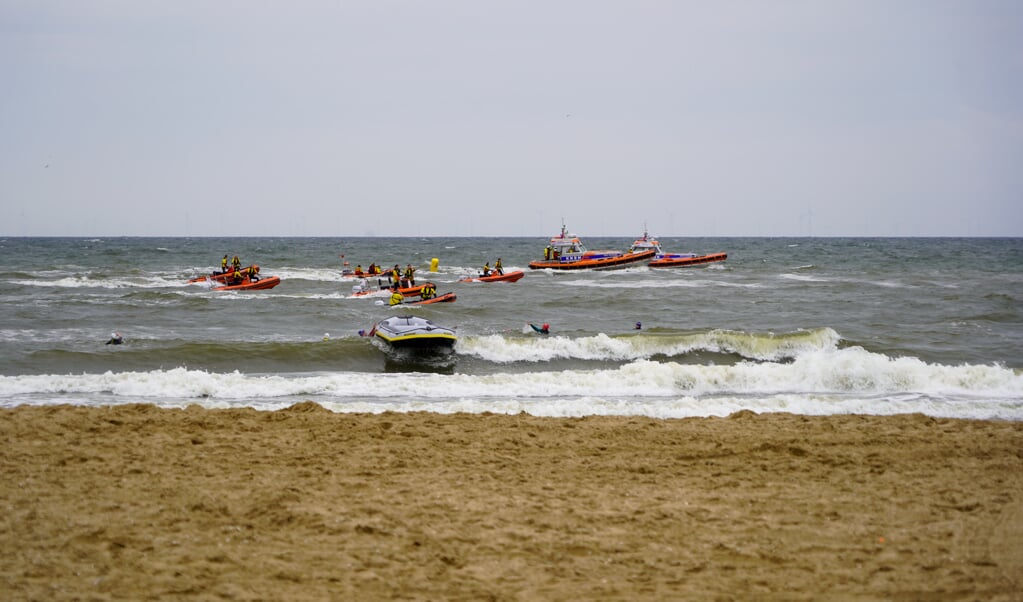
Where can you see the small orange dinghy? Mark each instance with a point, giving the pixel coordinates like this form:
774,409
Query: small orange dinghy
495,277
251,285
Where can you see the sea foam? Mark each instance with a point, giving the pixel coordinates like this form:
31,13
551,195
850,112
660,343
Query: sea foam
822,382
756,346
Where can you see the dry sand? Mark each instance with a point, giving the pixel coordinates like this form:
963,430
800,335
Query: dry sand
135,502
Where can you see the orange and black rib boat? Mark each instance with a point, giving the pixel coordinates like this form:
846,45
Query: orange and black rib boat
672,260
495,277
567,252
251,285
219,276
445,298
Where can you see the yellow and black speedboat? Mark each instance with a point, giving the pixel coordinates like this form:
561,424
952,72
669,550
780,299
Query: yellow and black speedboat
413,332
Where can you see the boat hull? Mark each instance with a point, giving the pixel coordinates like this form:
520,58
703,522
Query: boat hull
445,298
414,291
217,276
602,263
410,291
505,277
261,284
681,261
351,274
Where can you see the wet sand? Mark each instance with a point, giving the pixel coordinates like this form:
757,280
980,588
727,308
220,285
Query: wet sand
135,502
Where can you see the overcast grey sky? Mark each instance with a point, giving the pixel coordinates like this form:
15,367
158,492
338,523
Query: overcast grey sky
478,118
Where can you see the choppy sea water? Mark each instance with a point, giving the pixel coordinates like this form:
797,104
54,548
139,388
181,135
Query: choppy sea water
810,326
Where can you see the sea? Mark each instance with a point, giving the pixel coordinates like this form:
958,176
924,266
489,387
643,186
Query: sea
811,326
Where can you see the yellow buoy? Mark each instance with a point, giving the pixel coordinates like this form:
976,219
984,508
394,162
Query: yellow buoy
433,264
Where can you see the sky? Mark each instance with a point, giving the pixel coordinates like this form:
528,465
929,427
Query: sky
509,118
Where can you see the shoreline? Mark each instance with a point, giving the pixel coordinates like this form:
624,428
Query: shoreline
136,501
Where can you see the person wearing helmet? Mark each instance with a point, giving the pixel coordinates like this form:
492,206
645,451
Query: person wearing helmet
544,329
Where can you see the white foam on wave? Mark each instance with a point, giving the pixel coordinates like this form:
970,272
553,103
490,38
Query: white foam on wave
859,282
856,282
802,278
142,281
313,274
335,275
824,382
764,347
497,348
852,371
317,296
660,284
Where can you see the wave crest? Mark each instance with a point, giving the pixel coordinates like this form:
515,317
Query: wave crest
752,346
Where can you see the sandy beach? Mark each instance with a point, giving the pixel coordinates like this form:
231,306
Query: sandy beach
137,502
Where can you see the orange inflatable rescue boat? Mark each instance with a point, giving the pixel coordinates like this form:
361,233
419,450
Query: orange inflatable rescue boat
495,277
672,260
567,252
251,285
218,276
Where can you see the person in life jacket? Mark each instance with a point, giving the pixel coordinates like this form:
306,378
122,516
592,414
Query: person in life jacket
237,277
486,269
253,270
410,274
235,262
498,267
358,270
396,298
396,275
429,291
223,265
